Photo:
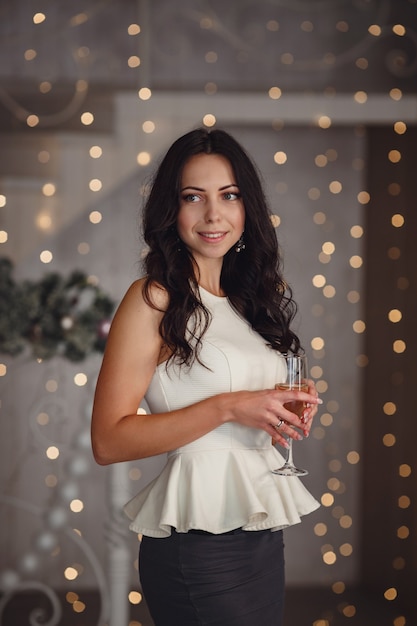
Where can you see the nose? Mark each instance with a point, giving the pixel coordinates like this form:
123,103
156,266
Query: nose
212,211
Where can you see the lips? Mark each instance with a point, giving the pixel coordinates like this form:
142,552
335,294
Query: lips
212,236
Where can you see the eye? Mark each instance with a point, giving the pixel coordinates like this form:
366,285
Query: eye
191,197
231,195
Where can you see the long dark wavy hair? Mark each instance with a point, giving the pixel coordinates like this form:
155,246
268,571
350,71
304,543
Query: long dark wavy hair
252,279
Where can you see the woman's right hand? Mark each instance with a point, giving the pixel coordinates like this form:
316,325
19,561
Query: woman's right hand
266,410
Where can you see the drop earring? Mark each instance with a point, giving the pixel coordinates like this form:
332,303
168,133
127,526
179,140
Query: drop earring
240,244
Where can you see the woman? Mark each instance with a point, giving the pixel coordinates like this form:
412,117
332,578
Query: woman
200,337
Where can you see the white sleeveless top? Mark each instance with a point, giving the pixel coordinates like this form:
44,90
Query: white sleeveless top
222,480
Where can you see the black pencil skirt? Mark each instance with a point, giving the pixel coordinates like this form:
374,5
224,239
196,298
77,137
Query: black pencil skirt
196,578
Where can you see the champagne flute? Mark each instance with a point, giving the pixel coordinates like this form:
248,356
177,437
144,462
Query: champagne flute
296,379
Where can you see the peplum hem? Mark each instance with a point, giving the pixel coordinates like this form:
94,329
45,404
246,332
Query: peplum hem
218,491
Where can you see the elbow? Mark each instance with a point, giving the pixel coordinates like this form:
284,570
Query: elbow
101,452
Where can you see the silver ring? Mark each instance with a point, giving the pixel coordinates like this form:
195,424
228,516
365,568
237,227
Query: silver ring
278,426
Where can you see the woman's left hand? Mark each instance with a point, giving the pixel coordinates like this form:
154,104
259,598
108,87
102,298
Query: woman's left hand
310,409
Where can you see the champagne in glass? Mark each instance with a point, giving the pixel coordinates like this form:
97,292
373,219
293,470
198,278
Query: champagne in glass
296,380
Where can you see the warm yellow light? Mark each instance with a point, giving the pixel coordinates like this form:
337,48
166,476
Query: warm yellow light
353,296
396,94
317,343
135,597
4,236
45,86
349,610
95,184
404,470
80,379
374,30
44,221
287,58
87,118
399,346
353,457
329,291
329,558
83,248
390,594
76,505
359,326
400,128
38,18
135,473
314,194
394,156
327,499
360,97
397,220
321,160
320,529
133,61
326,419
345,521
3,200
46,256
280,157
335,186
389,440
71,597
399,30
32,120
210,88
30,54
355,261
148,126
328,247
403,532
70,573
143,158
209,120
395,316
346,549
319,218
48,189
95,152
338,587
404,502
363,197
275,220
144,93
133,29
78,606
3,369
389,408
356,232
43,156
275,93
362,63
342,26
324,121
95,217
319,280
52,453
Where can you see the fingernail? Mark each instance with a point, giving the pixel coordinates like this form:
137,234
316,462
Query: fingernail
319,401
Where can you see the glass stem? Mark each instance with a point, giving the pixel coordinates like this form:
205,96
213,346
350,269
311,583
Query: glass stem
289,460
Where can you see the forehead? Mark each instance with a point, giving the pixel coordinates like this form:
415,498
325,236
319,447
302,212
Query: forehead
208,168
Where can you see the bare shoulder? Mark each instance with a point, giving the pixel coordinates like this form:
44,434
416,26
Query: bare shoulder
137,298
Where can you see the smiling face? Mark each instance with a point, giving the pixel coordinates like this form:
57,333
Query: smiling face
211,216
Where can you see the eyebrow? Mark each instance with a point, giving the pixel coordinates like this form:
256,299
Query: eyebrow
201,189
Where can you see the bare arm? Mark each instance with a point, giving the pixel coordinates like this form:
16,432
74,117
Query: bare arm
133,351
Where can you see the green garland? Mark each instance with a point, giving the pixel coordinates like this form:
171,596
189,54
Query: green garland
55,316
